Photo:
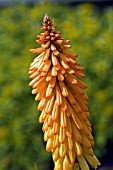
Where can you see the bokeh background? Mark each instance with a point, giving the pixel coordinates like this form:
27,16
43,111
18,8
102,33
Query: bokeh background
89,26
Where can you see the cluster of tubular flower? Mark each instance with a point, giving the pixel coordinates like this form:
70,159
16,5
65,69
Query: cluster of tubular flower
63,104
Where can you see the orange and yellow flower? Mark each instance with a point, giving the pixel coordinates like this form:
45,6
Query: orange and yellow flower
63,103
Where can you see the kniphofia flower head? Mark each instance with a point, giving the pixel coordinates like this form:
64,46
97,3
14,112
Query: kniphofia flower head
55,75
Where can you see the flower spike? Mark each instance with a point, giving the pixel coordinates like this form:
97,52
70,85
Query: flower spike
63,103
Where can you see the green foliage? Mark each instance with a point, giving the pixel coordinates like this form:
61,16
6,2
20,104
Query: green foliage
90,32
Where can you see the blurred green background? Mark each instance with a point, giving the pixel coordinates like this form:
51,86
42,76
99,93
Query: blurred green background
91,33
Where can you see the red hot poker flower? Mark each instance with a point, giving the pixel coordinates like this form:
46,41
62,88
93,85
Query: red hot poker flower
63,103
